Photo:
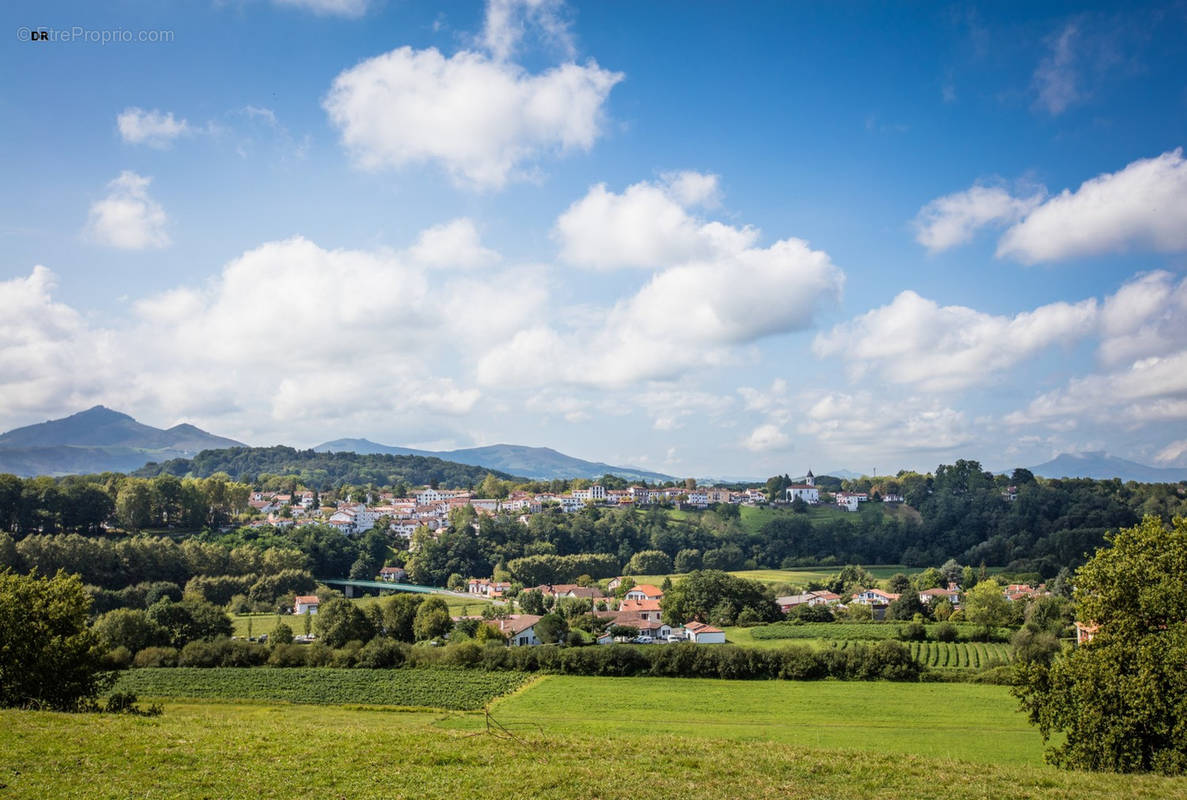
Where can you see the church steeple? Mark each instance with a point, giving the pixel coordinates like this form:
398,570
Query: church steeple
811,479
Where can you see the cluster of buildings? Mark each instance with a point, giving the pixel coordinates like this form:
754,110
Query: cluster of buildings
431,507
879,600
809,493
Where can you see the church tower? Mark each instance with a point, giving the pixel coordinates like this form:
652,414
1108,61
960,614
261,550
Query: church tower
811,479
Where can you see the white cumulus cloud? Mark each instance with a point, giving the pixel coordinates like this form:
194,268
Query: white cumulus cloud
127,217
767,438
914,340
647,226
454,244
483,120
953,219
1143,206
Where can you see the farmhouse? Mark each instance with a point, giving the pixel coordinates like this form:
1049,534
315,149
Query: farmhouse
520,629
874,597
305,603
700,633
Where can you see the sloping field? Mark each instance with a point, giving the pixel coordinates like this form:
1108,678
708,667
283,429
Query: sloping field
962,721
261,752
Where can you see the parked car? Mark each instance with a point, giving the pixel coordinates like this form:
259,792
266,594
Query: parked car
643,640
673,638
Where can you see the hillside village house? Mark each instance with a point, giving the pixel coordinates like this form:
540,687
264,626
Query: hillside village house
850,500
951,594
305,604
644,591
817,598
805,491
392,574
874,597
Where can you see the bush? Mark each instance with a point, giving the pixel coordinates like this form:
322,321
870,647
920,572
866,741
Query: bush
914,632
119,658
288,655
944,632
151,657
381,653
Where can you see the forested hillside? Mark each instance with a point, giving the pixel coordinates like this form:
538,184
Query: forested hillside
323,471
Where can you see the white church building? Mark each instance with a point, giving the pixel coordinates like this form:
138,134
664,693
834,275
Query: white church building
806,491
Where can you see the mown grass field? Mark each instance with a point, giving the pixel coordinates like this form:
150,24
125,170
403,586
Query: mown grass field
230,751
937,655
432,688
961,721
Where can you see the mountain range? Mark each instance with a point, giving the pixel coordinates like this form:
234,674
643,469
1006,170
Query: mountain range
1102,466
99,440
537,463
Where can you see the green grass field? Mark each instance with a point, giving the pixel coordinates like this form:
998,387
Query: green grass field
961,721
796,577
432,688
582,738
937,655
255,751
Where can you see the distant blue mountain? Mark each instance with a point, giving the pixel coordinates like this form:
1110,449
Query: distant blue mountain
538,463
1102,466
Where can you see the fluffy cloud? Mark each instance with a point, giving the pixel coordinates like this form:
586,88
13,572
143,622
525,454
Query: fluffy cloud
127,217
482,119
287,333
153,128
1143,346
953,219
1146,317
1141,207
49,360
330,8
1144,206
914,340
646,226
688,316
453,244
1172,452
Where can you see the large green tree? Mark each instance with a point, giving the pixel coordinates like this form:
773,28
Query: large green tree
49,658
1121,699
709,595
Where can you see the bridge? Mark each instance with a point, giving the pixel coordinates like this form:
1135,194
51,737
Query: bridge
350,585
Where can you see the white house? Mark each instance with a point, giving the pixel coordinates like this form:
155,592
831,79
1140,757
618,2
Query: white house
520,629
874,597
700,633
805,491
850,500
392,574
305,603
643,591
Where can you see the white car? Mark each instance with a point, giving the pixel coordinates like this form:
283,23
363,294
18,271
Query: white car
643,640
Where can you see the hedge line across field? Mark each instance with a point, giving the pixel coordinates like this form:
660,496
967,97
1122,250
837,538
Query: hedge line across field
888,660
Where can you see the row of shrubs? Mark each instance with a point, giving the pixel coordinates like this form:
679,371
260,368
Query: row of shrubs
887,660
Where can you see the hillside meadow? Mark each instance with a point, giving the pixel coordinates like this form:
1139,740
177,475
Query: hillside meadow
593,739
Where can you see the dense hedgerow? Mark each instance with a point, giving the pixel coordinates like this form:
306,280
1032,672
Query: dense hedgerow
887,660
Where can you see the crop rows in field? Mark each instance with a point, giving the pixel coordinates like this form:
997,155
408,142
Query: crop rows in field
463,690
974,655
868,631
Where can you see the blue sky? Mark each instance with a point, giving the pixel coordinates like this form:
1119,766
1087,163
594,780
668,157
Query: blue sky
709,239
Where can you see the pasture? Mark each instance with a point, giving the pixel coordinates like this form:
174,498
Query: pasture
585,739
260,752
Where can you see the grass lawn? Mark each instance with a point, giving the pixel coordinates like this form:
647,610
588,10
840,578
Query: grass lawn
969,722
261,752
796,577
